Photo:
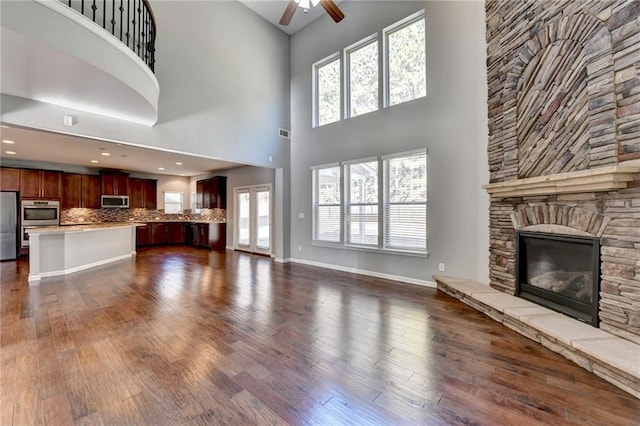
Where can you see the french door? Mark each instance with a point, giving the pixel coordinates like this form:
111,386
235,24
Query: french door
253,219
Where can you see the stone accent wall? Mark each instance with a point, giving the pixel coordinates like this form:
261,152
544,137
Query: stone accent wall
564,95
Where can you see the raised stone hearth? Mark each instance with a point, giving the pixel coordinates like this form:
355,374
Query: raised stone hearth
613,358
564,140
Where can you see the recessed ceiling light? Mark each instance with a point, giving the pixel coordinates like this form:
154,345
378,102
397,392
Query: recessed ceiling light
178,164
10,152
160,168
4,127
182,174
8,141
106,154
94,161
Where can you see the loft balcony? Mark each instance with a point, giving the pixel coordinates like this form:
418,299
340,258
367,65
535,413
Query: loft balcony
96,56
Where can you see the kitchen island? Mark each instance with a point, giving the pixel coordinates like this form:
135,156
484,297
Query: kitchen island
61,250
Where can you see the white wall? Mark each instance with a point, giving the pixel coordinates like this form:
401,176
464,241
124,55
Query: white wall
450,122
224,87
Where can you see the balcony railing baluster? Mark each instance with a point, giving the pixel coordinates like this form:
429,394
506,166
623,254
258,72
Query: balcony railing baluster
121,13
141,38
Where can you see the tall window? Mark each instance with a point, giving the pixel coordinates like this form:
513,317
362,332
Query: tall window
173,202
362,60
385,203
403,73
405,214
328,90
362,205
327,211
405,60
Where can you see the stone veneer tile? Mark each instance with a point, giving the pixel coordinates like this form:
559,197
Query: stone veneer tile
619,353
527,311
564,329
464,286
501,301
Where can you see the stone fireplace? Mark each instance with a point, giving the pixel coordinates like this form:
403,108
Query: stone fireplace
564,142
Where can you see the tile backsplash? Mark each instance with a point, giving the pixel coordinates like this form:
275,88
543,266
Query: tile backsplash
79,216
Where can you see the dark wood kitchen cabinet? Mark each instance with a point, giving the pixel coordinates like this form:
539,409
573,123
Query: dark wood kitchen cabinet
114,183
176,233
143,235
143,194
9,179
155,233
207,235
40,184
91,191
212,193
80,191
158,233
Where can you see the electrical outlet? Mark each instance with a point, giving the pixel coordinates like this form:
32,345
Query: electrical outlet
299,248
300,215
441,267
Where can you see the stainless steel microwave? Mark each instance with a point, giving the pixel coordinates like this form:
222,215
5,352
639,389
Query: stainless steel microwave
115,202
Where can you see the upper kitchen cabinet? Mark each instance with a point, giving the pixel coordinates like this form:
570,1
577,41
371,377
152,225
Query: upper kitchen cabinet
212,193
40,184
80,191
91,191
9,179
114,183
143,194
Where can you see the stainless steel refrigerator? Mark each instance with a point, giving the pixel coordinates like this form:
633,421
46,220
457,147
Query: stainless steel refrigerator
8,225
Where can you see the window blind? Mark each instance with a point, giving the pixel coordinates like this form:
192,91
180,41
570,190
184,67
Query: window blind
362,220
327,209
405,217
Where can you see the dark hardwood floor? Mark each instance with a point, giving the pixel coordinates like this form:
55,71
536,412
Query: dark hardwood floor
186,336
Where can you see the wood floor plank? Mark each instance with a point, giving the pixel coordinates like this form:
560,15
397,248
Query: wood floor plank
56,410
186,336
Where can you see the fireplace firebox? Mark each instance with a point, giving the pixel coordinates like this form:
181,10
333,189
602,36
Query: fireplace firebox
561,272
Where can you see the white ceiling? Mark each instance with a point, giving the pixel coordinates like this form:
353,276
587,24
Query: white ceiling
272,10
36,145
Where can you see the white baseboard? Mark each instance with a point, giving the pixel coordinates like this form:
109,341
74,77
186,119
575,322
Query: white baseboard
281,260
38,277
424,283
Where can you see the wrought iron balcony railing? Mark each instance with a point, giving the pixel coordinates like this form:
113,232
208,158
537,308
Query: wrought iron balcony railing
131,21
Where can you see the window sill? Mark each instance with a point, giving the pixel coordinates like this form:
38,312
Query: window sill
371,249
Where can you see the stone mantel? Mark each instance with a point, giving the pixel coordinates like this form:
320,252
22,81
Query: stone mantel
602,179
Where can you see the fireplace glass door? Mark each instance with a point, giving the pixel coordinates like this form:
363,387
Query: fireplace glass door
561,272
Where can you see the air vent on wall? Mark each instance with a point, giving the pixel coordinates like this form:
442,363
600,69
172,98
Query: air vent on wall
284,133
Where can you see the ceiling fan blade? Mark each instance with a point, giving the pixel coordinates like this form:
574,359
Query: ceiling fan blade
288,12
332,9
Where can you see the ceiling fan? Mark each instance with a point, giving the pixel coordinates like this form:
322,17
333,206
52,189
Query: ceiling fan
328,5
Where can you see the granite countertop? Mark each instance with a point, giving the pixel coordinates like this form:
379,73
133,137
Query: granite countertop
81,228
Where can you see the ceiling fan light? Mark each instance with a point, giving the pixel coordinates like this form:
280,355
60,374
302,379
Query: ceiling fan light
304,4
